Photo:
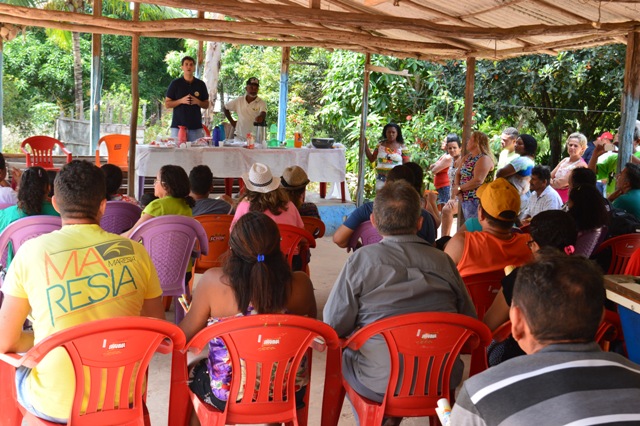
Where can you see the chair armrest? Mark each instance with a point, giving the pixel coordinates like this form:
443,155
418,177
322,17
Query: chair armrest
12,359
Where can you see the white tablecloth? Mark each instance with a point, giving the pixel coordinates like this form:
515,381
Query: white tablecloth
321,165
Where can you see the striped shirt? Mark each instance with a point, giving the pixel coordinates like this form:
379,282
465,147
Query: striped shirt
562,384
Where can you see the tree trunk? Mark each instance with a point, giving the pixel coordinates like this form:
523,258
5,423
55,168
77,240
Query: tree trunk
77,75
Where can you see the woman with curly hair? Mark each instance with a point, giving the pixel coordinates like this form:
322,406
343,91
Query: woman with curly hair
473,172
172,189
33,198
389,153
254,278
264,194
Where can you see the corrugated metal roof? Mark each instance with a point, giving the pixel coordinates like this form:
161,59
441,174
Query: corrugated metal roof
426,29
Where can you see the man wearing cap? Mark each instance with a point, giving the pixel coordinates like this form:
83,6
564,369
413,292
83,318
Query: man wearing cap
249,108
604,160
187,95
496,246
294,180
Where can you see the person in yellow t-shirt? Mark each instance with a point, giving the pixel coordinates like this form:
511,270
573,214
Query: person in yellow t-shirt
78,274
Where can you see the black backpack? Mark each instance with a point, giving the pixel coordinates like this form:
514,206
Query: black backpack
622,222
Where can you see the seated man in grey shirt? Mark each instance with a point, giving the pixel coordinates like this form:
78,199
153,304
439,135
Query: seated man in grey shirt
399,275
201,181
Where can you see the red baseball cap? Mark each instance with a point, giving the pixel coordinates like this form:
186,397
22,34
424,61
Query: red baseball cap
606,135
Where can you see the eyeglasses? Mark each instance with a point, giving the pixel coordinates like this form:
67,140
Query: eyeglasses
156,180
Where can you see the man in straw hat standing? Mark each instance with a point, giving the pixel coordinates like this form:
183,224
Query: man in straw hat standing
496,246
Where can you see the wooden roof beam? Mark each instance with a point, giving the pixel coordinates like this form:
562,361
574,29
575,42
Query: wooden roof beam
302,14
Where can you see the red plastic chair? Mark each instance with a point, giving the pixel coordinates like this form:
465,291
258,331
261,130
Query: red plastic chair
363,235
267,343
119,216
291,238
117,150
610,330
170,240
110,359
483,288
501,333
423,348
42,151
217,228
314,226
622,247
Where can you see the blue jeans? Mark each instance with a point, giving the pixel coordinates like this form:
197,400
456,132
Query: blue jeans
23,399
192,135
470,208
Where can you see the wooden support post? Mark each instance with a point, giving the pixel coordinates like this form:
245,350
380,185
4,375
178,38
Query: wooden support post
284,93
470,85
96,66
200,56
467,124
630,99
363,130
135,101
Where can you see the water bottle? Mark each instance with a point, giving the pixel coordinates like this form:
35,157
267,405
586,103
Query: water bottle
215,139
182,134
223,137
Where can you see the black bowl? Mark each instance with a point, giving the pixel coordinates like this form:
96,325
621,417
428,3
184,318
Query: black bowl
322,142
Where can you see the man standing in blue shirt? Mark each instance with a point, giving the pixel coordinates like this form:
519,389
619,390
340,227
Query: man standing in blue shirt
187,95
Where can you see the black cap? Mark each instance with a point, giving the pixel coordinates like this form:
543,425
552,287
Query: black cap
253,80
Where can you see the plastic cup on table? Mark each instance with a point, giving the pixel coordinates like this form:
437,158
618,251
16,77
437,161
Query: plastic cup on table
289,143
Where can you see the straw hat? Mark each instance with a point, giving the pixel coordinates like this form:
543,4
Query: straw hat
260,179
294,178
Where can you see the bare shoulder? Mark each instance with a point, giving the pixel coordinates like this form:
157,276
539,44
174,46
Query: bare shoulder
215,289
302,300
455,246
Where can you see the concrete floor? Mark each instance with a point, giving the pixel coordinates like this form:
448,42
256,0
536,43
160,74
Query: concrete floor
326,262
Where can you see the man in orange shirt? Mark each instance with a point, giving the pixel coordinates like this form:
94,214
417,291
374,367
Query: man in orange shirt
496,246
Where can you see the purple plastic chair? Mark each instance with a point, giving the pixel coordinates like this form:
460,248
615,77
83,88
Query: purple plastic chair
23,230
589,240
119,216
170,241
364,235
5,205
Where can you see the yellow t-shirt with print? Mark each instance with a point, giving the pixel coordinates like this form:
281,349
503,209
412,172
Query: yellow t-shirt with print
78,274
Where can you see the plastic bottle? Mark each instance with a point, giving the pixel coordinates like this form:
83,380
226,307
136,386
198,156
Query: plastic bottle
250,141
223,136
182,134
297,139
215,138
443,410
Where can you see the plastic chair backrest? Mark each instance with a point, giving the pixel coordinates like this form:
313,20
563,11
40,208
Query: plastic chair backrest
170,241
117,150
216,226
423,348
119,216
290,238
267,343
20,231
314,226
622,247
42,151
589,240
483,288
5,205
501,333
363,235
610,329
110,359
